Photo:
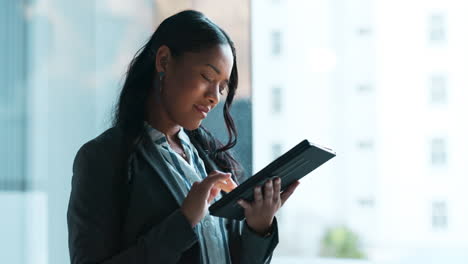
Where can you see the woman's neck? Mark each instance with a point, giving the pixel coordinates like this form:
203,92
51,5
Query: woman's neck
159,119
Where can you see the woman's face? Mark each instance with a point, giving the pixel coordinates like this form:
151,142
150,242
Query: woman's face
194,84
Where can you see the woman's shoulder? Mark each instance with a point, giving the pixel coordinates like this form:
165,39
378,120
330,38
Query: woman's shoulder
107,145
97,165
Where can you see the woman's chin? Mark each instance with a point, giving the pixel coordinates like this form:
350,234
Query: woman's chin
193,125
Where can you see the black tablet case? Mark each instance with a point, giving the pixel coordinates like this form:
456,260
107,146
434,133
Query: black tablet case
291,166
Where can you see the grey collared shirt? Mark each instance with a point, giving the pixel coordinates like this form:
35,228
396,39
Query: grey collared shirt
211,230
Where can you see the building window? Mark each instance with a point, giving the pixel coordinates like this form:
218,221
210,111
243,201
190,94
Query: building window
366,144
276,102
438,152
438,89
364,31
439,215
366,202
276,40
364,88
276,150
437,28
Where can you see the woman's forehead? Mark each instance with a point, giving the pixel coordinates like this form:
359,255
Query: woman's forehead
218,57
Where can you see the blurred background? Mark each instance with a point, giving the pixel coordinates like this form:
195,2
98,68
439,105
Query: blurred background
383,83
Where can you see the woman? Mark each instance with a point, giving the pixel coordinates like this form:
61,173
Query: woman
141,190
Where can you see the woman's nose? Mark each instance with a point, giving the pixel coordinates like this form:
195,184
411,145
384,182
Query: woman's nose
213,94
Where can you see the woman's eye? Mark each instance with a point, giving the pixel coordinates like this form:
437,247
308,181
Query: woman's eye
206,78
221,88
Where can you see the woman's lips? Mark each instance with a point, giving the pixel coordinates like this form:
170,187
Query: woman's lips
203,110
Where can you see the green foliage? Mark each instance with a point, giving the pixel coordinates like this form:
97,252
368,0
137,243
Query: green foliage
341,242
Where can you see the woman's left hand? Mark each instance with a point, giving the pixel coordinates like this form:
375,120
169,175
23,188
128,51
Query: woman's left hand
259,213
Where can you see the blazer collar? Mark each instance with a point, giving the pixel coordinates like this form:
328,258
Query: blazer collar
155,159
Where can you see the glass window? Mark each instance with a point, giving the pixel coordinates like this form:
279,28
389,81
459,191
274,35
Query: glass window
364,31
438,89
438,152
276,150
276,101
366,202
364,88
439,215
365,144
62,67
437,31
276,42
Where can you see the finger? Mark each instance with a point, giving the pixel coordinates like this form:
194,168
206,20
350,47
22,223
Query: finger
228,185
213,193
268,191
277,190
195,184
208,182
287,193
216,172
244,204
258,195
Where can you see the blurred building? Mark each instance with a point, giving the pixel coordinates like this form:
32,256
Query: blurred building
381,83
421,141
293,99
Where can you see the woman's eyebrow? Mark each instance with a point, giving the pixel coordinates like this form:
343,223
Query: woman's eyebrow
217,71
214,68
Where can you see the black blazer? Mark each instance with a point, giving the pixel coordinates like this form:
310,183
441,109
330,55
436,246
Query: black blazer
137,218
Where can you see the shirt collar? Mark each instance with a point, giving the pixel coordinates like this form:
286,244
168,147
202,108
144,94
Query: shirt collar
184,137
159,138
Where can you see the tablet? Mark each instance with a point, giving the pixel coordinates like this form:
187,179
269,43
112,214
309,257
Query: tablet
291,166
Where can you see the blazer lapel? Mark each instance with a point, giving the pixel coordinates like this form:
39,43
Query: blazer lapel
155,159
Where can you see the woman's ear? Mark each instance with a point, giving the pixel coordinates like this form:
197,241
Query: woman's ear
163,57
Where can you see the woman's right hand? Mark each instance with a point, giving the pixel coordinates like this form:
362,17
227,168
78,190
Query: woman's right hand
195,205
